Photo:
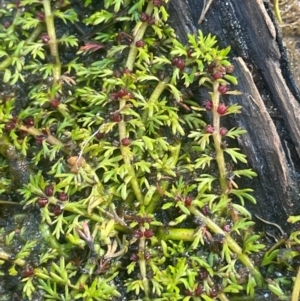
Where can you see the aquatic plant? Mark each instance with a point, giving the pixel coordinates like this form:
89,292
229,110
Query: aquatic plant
135,181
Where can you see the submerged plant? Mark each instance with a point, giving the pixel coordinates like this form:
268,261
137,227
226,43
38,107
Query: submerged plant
135,181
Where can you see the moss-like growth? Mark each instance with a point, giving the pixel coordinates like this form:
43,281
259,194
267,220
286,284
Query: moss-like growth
136,194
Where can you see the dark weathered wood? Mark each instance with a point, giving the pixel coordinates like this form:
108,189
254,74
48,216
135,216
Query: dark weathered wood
272,145
276,186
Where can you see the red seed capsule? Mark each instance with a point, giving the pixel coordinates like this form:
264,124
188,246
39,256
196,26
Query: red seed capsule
6,24
151,21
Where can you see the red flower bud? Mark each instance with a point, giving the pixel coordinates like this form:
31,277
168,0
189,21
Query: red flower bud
144,17
29,121
99,135
223,132
125,141
134,257
157,3
147,255
203,274
209,129
226,228
10,125
178,62
148,233
39,139
28,271
45,38
116,117
40,15
199,290
62,196
151,21
217,75
208,105
137,233
213,292
54,103
222,108
49,190
188,200
230,69
223,89
42,202
140,43
56,210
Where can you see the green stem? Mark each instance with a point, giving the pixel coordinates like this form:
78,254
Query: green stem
231,244
142,264
51,240
296,289
49,138
175,234
218,139
174,153
159,89
9,203
189,235
139,36
277,11
125,151
53,44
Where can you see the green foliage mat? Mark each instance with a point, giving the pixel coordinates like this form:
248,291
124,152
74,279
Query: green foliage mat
128,184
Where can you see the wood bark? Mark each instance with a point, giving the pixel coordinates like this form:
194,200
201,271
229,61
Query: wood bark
270,99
